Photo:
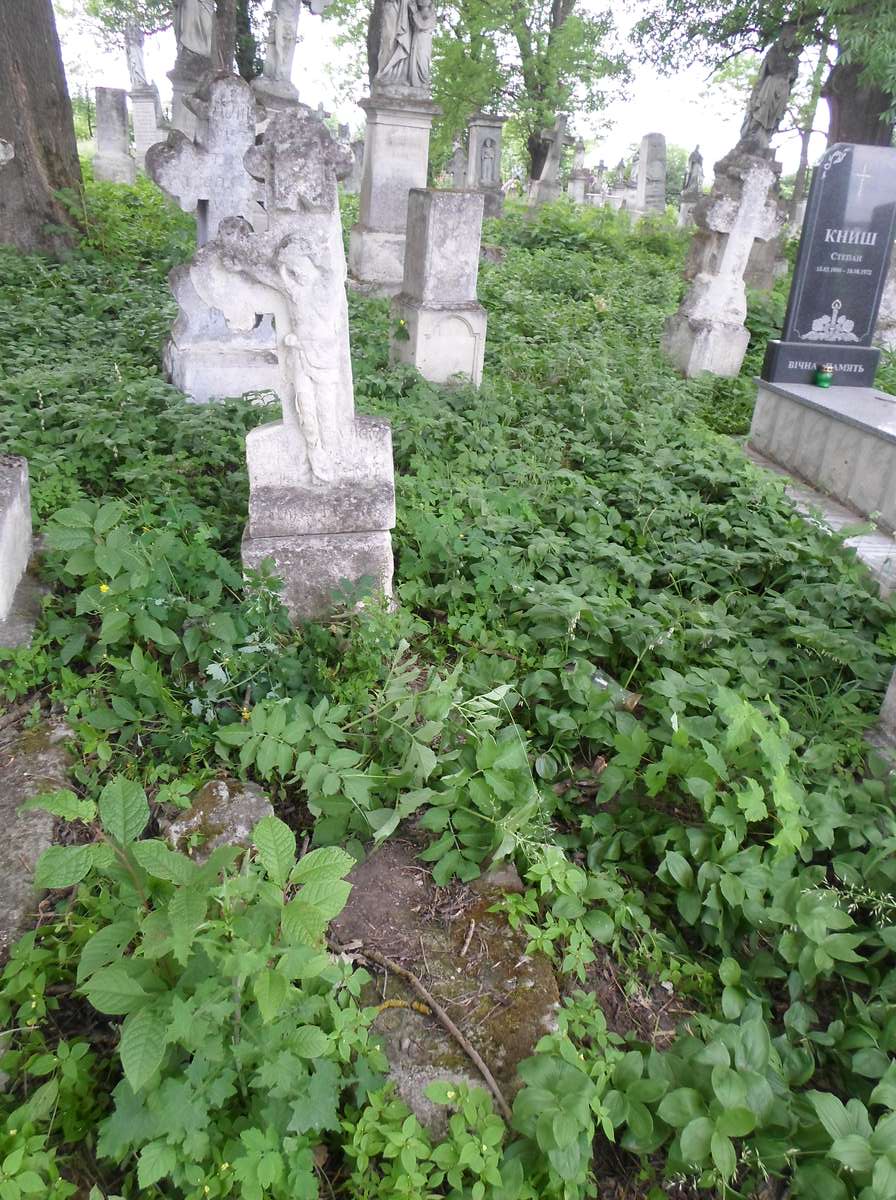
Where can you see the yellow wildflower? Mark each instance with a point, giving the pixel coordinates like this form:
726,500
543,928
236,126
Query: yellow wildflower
104,587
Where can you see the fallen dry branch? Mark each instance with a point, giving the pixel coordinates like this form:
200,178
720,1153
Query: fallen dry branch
444,1020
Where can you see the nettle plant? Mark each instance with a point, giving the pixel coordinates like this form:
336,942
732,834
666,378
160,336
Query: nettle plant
241,1035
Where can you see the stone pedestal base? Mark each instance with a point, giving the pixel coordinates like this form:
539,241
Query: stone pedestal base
114,168
217,371
15,527
376,260
696,345
442,343
842,439
317,567
494,203
396,158
575,189
323,535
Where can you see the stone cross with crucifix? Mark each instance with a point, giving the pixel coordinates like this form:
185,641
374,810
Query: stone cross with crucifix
321,490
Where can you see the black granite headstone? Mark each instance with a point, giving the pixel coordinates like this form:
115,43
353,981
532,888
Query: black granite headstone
841,269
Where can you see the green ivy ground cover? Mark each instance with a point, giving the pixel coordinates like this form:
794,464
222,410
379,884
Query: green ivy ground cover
180,1030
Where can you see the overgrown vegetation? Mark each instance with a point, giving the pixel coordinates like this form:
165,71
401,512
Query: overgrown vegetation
575,529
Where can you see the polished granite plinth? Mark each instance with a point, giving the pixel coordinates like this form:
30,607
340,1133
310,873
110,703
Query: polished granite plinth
842,440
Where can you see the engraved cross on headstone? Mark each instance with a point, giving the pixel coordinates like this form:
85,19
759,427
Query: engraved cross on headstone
207,175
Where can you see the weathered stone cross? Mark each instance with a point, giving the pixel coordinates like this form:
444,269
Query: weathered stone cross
207,175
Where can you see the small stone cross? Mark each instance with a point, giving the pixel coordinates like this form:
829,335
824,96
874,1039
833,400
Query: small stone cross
207,175
558,139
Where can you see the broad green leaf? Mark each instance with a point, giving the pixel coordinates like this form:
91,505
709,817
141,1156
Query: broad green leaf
104,946
728,1087
302,923
270,989
832,1113
124,810
114,990
853,1151
62,866
309,1042
329,862
64,804
723,1155
142,1047
162,862
736,1122
276,846
327,896
696,1139
754,1048
729,972
157,1159
681,1106
186,912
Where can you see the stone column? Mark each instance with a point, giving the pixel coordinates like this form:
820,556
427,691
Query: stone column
150,125
708,333
484,160
113,162
651,196
396,158
15,527
575,188
444,322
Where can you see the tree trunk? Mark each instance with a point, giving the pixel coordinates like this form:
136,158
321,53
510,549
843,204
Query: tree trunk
225,34
36,119
247,63
856,108
538,153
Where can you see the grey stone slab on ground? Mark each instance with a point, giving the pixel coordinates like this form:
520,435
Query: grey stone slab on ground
469,959
15,527
840,439
36,762
222,813
113,162
444,322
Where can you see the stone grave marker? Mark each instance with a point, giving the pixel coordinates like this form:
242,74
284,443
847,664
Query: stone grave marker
321,498
15,527
112,162
443,320
579,177
841,270
484,166
708,331
274,86
206,358
651,178
457,165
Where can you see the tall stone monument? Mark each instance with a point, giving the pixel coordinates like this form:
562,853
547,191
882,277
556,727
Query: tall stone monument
842,438
547,187
692,188
443,323
150,125
321,498
15,527
194,32
484,163
112,162
274,86
399,113
651,178
206,358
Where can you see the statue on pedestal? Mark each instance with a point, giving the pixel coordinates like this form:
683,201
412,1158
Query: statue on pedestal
771,91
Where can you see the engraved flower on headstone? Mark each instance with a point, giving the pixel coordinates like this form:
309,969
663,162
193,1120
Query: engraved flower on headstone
832,327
